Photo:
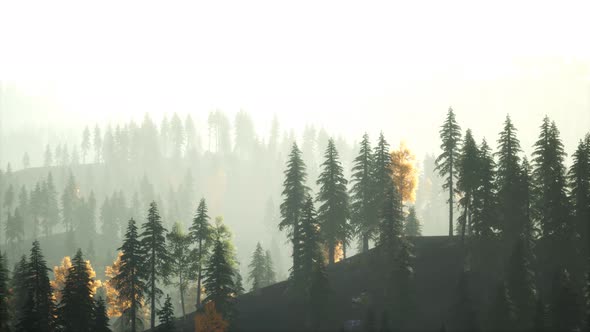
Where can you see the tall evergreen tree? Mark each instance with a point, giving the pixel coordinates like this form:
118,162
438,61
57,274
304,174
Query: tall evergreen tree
363,216
179,262
52,212
294,195
85,144
201,233
520,280
129,282
101,320
219,276
257,268
565,305
446,162
76,309
269,271
166,316
468,181
38,313
19,292
579,182
333,196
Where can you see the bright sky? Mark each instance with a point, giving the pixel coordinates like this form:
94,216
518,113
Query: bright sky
349,65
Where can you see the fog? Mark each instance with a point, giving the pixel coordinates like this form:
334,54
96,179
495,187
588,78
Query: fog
253,77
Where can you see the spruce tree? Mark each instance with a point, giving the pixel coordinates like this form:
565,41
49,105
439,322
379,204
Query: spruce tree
269,271
511,205
468,167
76,309
319,293
310,244
381,173
363,216
579,182
153,243
446,162
166,316
333,198
38,313
4,326
129,282
219,276
257,268
201,233
412,226
179,261
19,291
294,195
101,320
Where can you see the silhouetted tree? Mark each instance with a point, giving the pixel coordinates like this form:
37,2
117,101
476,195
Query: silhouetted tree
257,268
412,226
333,196
4,318
520,280
101,320
579,182
76,309
201,233
468,179
129,282
166,316
153,242
179,261
446,162
363,215
269,271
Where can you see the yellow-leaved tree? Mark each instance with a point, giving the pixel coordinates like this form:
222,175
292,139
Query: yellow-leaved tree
404,172
210,320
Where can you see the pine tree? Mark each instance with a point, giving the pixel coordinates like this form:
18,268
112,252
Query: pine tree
52,212
201,233
294,194
101,320
412,226
511,205
69,202
391,225
19,291
364,218
76,309
402,283
129,282
257,268
381,172
179,262
4,327
219,275
579,182
333,196
501,315
446,162
153,243
38,313
166,316
85,144
468,180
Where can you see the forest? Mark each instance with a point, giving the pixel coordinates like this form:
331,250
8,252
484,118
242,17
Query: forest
141,227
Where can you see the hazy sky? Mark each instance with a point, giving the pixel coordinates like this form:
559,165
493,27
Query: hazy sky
350,66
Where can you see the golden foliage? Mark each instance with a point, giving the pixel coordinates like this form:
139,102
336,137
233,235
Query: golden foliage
115,307
338,252
60,274
404,172
210,320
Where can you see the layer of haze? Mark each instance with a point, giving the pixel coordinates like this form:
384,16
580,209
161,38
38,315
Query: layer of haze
347,66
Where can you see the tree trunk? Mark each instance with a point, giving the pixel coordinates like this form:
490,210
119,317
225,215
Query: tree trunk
365,242
153,293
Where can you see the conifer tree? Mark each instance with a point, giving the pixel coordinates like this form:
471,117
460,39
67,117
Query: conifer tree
101,320
97,143
219,275
153,243
19,291
511,201
381,172
333,196
69,203
363,216
52,212
257,268
391,225
166,316
179,262
76,309
579,182
129,282
520,280
48,158
319,293
468,179
412,226
446,162
4,295
85,144
38,313
201,233
294,195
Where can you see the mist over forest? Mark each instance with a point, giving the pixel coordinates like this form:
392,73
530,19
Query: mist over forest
294,167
